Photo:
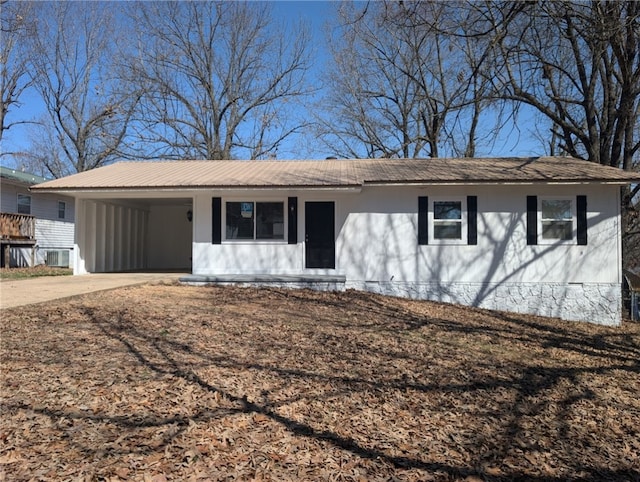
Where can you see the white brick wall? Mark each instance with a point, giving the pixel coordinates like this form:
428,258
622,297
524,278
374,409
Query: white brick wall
599,303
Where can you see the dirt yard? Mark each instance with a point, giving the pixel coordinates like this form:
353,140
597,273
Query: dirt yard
164,382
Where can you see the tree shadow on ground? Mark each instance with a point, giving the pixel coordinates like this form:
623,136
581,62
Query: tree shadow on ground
532,390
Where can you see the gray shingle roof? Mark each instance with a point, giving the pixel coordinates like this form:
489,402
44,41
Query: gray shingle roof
337,173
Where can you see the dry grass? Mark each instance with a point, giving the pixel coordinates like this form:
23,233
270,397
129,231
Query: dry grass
33,272
181,383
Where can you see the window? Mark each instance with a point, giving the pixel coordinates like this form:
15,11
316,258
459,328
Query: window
255,220
556,219
447,220
560,219
240,220
62,209
24,204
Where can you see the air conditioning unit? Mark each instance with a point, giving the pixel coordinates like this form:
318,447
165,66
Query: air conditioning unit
58,258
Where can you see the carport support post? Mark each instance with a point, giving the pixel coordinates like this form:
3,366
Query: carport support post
80,247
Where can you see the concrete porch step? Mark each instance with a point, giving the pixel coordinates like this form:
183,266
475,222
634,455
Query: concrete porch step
335,282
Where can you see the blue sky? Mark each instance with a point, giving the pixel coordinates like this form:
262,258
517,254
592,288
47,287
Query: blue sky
317,14
510,142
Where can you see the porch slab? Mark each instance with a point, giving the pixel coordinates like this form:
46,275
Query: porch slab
313,281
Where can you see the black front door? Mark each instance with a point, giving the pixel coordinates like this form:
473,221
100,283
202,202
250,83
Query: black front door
320,235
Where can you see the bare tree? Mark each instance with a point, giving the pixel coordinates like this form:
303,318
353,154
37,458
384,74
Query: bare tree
578,64
401,86
73,67
45,155
15,26
222,79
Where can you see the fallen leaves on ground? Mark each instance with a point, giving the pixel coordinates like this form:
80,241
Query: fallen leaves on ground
162,382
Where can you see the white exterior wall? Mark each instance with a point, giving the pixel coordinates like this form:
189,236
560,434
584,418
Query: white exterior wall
501,271
9,197
250,257
170,236
501,255
377,250
43,205
54,234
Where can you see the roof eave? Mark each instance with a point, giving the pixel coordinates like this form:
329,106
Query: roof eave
156,189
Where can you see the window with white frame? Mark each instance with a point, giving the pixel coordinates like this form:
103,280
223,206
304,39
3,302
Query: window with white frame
557,219
447,220
247,220
62,209
24,204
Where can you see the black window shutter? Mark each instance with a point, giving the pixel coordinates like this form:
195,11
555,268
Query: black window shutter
532,219
216,220
293,220
472,219
581,221
423,209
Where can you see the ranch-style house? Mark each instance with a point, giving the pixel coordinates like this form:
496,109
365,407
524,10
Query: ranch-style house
536,235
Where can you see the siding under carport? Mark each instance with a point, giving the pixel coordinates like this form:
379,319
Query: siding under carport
110,236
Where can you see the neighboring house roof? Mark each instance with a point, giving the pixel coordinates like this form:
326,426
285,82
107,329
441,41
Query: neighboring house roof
153,175
21,177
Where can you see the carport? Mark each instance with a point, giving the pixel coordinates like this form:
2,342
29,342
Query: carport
116,234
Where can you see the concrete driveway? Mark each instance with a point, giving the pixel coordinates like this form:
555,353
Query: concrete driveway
37,290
